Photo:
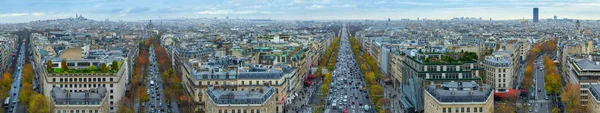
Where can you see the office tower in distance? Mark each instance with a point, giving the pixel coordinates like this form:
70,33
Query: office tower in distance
555,18
535,14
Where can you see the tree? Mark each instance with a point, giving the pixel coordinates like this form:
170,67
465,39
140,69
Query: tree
504,108
27,73
376,92
327,78
124,109
49,65
103,68
92,68
370,78
324,89
40,104
571,96
5,84
115,65
143,96
63,65
553,83
25,93
555,110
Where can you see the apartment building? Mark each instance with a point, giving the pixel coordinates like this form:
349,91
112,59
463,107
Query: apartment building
234,74
422,66
79,79
585,72
498,68
459,97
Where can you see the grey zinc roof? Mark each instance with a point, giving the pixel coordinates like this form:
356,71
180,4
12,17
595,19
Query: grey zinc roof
445,95
219,96
595,90
62,97
587,65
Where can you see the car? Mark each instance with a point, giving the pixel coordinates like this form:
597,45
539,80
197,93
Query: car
539,90
352,102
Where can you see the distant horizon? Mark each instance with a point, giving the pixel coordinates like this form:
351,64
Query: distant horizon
135,10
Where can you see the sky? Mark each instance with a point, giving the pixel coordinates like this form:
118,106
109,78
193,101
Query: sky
13,11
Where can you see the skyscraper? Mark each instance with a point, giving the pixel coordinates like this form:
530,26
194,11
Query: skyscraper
555,18
535,14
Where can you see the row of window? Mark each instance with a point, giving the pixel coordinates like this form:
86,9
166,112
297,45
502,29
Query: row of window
82,80
462,110
77,111
239,111
83,86
243,83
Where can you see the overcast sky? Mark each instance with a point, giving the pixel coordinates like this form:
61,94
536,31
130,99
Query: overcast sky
133,10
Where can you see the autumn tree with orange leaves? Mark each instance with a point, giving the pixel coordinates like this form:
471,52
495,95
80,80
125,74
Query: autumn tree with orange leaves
572,97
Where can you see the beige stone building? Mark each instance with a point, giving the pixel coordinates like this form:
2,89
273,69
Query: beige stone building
454,97
251,100
80,81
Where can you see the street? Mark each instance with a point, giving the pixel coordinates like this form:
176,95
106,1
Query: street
542,101
348,90
154,88
16,85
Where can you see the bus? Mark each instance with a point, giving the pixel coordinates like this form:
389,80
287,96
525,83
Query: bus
6,101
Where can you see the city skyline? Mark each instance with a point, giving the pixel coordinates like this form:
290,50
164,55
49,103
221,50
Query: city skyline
133,10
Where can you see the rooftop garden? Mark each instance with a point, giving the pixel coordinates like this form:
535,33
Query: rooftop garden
113,68
452,58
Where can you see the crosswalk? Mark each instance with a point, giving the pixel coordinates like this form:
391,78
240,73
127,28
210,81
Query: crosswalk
539,101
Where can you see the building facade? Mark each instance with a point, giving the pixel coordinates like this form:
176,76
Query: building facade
459,97
114,82
498,68
433,65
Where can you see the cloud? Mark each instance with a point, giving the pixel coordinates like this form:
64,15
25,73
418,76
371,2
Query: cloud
22,14
124,12
235,12
314,6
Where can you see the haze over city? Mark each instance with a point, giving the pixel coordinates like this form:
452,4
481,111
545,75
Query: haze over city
300,56
133,10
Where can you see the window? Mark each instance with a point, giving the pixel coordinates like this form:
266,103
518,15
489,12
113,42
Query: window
245,111
457,110
243,83
53,79
217,83
103,79
252,111
449,110
111,85
276,82
468,109
220,111
444,110
111,79
462,109
225,111
257,83
481,109
239,111
258,111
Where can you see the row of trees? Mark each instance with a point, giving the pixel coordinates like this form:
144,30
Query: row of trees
370,75
138,86
172,82
35,102
552,78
